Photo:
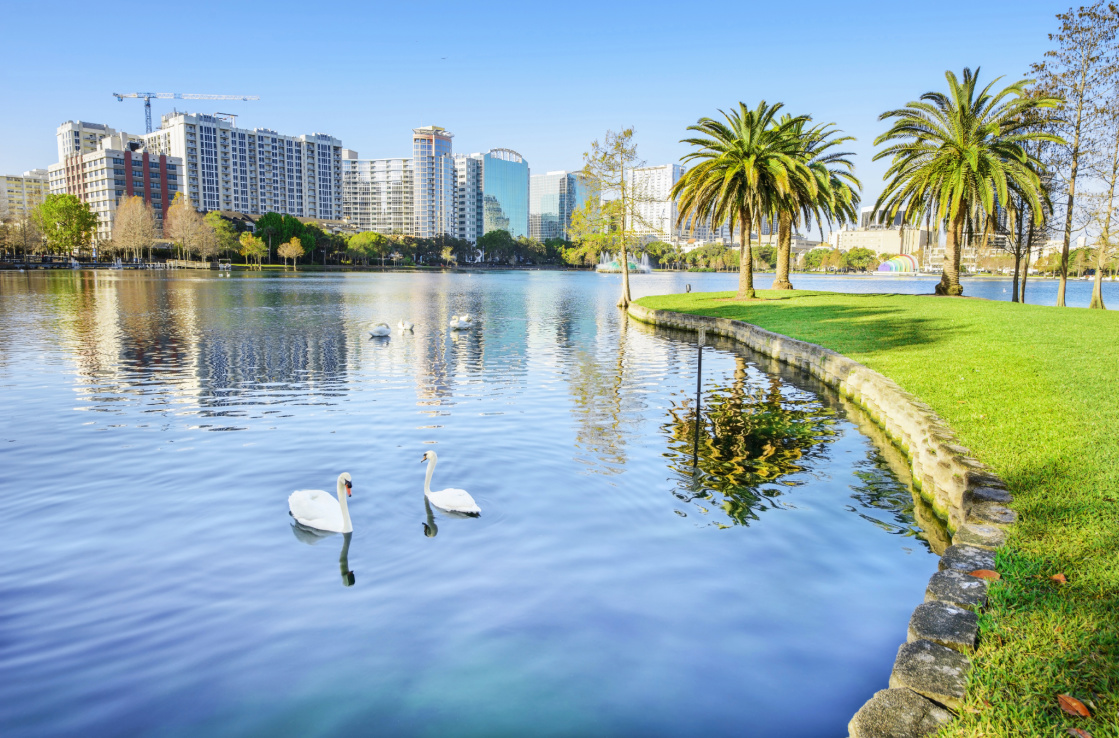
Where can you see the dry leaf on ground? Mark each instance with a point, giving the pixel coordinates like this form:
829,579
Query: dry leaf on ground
985,574
1079,733
1072,706
1059,578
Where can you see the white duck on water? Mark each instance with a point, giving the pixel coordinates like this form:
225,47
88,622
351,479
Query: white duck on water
316,509
450,500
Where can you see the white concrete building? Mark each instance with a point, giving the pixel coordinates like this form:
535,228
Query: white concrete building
884,236
657,211
253,171
377,194
469,212
433,173
120,167
79,137
22,193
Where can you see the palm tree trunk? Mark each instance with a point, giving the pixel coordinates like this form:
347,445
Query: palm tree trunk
950,278
784,249
746,260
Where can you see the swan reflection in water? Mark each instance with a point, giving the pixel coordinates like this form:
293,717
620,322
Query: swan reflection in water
312,536
430,528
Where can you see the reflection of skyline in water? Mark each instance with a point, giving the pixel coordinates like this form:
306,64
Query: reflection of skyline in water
551,413
227,352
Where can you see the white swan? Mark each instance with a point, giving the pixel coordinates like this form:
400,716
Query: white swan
465,318
404,325
457,323
380,329
450,500
316,509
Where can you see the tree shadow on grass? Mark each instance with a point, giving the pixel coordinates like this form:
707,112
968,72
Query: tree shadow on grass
843,327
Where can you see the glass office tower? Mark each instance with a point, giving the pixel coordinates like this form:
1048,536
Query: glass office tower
505,192
553,197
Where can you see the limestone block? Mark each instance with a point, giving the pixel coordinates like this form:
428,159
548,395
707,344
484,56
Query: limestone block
932,671
967,558
980,536
991,513
987,494
956,588
945,624
897,713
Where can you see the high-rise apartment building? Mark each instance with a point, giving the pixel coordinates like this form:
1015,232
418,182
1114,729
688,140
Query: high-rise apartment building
469,212
656,210
253,171
377,194
79,137
22,193
433,198
120,167
505,177
553,197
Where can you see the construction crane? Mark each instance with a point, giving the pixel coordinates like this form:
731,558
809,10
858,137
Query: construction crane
147,98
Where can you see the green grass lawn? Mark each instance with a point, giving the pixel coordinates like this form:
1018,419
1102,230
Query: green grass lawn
1034,392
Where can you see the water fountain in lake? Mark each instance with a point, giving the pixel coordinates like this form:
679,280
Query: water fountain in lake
611,264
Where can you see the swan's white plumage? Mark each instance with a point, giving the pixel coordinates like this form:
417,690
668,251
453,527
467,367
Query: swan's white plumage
317,509
458,323
448,500
380,329
404,325
454,500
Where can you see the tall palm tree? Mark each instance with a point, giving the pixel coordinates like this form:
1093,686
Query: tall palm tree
745,166
959,153
836,192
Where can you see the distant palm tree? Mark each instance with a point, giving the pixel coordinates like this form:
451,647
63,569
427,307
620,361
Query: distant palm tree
836,191
746,166
961,153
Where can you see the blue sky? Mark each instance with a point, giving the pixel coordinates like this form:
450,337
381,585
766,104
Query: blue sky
541,78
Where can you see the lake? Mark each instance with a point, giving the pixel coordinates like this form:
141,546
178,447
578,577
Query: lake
153,583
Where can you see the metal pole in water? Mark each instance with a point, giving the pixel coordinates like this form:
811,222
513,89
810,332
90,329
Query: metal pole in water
698,385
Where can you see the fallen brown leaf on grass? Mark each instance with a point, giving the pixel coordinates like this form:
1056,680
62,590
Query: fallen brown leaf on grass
994,576
1072,706
1060,578
1079,733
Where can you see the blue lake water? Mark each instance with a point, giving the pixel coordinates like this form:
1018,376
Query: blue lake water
1038,291
152,583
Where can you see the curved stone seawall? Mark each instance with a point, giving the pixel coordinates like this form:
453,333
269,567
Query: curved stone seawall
930,673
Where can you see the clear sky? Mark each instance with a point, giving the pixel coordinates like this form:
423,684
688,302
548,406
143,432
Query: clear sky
544,79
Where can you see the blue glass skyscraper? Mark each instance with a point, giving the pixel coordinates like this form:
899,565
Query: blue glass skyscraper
505,192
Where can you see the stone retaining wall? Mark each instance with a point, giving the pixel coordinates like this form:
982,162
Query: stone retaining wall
930,673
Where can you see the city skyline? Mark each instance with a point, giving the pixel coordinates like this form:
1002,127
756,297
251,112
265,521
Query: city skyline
828,66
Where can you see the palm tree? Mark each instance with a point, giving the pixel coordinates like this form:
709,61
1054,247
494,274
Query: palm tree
836,190
959,153
746,165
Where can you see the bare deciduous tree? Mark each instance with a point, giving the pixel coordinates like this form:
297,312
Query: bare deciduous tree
134,227
1080,70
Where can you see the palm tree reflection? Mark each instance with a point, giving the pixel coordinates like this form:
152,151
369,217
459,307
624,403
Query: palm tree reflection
751,434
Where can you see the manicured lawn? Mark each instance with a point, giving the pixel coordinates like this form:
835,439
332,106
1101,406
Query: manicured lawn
1034,392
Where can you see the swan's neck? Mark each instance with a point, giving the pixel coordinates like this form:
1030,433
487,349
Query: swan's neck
347,526
427,479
